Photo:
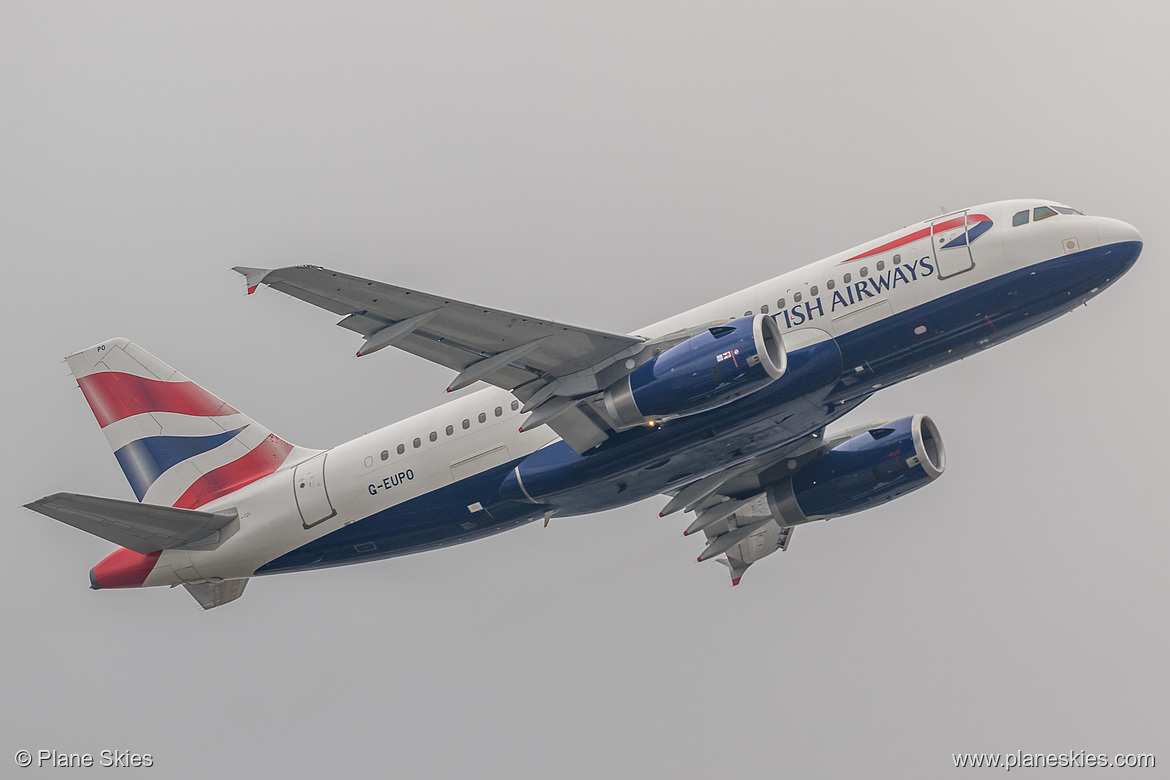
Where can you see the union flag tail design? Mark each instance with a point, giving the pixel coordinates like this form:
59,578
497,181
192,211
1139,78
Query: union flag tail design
178,444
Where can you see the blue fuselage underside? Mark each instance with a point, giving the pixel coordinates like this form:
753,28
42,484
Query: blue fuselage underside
646,461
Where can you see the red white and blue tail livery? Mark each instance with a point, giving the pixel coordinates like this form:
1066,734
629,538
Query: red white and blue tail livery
178,444
722,408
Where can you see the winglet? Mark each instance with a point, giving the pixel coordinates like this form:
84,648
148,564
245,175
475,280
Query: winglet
214,594
252,276
736,568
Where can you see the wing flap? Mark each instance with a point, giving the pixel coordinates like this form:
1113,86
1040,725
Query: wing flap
143,528
578,428
731,507
765,541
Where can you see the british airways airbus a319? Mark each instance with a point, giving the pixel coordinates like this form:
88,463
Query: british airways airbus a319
723,409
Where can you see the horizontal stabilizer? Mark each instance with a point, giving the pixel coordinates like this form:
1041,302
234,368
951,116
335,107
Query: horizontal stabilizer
215,594
143,528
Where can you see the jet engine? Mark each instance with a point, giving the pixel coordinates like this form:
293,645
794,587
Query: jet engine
704,372
887,461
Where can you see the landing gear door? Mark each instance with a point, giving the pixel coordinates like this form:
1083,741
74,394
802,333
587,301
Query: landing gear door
309,489
948,240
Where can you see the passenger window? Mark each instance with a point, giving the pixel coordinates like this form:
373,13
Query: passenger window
417,443
450,430
434,436
499,411
515,405
385,454
764,309
466,424
813,291
847,279
881,265
747,313
796,298
482,417
1021,218
897,259
1042,212
780,304
401,448
864,272
830,284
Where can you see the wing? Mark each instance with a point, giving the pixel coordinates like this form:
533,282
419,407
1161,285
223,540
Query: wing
545,364
732,509
747,536
143,528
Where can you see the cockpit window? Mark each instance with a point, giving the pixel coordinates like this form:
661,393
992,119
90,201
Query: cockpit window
1067,210
1042,212
1021,218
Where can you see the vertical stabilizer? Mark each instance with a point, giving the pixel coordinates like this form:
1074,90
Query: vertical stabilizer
178,444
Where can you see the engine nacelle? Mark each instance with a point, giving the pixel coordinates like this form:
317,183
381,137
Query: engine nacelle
885,462
704,372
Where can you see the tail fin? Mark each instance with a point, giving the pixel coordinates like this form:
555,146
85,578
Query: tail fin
178,444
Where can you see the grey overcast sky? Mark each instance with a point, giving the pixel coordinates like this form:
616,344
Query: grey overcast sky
606,164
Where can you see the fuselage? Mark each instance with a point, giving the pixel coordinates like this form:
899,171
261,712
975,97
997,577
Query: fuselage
853,323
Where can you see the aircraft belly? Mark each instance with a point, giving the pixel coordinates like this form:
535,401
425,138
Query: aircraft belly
793,422
647,459
459,512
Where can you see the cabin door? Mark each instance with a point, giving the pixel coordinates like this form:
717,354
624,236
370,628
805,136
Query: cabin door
948,241
309,489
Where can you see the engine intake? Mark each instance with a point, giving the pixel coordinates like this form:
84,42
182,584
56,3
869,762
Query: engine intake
887,461
704,372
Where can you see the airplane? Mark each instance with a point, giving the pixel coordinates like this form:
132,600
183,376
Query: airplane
723,409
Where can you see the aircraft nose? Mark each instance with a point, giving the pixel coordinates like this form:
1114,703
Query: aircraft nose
1114,231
